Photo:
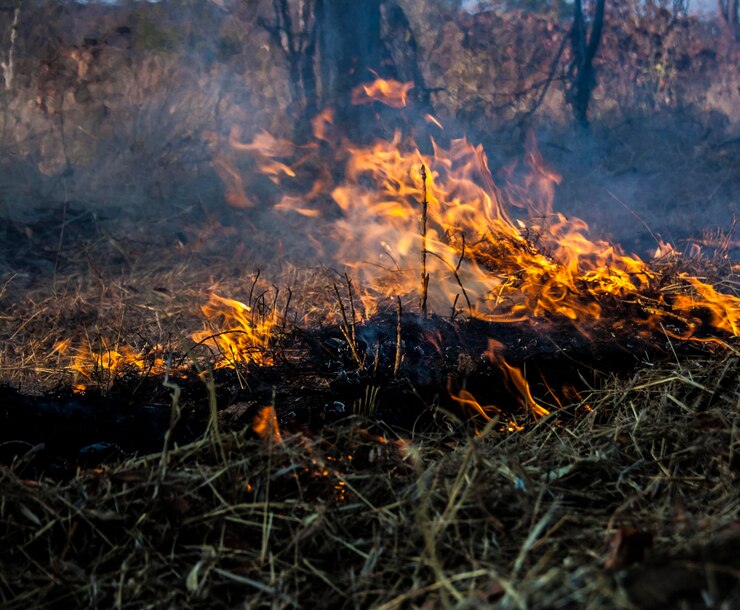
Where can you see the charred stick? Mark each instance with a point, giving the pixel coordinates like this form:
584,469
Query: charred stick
454,307
397,363
254,283
274,306
424,275
347,331
287,308
377,358
351,306
459,281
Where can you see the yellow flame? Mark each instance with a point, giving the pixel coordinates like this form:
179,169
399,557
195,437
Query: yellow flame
265,425
389,92
101,366
239,334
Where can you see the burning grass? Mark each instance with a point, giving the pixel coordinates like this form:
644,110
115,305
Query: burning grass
476,403
631,503
620,492
567,430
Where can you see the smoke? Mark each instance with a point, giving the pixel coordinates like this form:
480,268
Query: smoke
128,110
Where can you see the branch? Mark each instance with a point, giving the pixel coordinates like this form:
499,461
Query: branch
8,66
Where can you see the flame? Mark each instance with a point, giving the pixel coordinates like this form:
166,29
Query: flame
389,92
240,335
265,425
236,193
430,118
498,254
322,126
467,400
102,366
502,255
514,378
724,309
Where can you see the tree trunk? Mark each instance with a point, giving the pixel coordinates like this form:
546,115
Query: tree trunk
333,46
584,46
729,11
350,49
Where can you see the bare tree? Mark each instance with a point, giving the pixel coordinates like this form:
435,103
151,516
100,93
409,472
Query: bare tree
729,13
585,40
293,30
7,60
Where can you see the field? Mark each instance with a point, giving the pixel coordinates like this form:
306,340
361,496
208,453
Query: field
440,343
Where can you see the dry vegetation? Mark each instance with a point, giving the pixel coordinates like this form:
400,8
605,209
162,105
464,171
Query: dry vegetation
626,497
631,502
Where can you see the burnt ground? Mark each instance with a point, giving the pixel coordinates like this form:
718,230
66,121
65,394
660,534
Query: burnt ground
79,278
381,488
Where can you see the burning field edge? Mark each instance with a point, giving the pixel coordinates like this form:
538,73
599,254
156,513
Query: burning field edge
324,477
633,503
441,389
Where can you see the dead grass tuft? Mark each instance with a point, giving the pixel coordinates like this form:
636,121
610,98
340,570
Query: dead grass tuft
632,502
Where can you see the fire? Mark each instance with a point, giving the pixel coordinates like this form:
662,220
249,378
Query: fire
514,378
266,426
103,365
388,213
724,309
502,255
240,334
514,381
466,400
389,92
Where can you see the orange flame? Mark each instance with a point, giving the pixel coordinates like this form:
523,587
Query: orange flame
467,400
515,379
265,425
241,334
539,268
102,366
389,92
500,255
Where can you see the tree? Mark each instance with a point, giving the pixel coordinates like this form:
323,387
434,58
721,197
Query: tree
584,43
350,48
729,12
7,66
293,30
333,46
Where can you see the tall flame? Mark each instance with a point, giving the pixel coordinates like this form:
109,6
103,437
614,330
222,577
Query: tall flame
498,255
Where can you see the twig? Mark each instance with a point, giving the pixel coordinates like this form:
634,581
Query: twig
347,330
459,281
397,363
254,283
287,308
351,307
424,274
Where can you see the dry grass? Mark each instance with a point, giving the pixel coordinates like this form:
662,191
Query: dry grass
358,519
